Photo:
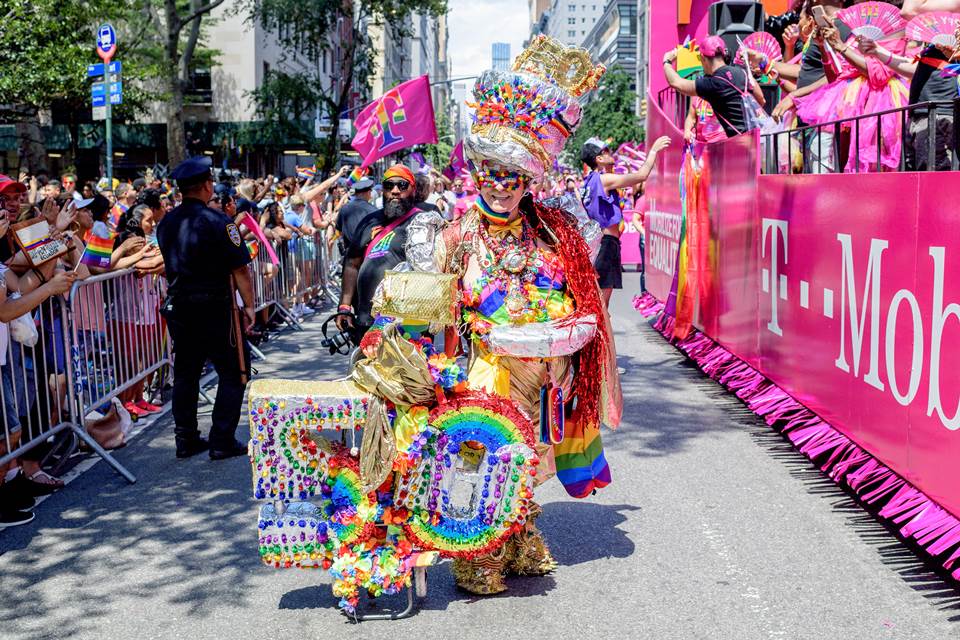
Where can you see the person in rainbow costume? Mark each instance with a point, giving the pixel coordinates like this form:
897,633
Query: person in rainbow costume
527,342
537,330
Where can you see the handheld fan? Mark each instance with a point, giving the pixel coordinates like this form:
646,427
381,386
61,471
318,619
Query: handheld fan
937,28
761,42
873,20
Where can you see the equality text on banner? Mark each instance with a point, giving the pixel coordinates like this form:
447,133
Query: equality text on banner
400,118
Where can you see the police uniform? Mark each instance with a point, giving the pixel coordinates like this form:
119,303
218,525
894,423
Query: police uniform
200,248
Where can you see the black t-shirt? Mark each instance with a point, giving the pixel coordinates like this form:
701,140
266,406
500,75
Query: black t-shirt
352,216
388,252
200,248
724,91
811,67
930,85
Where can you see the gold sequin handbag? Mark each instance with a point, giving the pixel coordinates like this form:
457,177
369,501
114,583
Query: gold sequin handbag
418,295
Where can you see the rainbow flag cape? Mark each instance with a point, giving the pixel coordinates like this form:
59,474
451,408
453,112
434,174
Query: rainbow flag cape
98,252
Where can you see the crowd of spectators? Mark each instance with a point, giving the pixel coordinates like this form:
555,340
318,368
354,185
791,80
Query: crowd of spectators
117,323
119,332
826,74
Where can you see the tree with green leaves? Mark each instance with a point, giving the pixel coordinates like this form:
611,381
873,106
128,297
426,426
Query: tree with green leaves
308,31
610,114
176,26
438,154
45,47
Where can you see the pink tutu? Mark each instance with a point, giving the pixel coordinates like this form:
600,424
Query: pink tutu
853,94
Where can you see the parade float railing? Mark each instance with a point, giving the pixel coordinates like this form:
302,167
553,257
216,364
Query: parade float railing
108,336
844,136
824,148
830,294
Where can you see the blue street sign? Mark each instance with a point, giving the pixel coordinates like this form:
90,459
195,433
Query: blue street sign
106,40
99,101
98,89
116,88
94,70
116,98
115,67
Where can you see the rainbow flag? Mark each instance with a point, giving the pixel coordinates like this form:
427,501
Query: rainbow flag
581,465
98,252
692,281
253,248
356,175
307,172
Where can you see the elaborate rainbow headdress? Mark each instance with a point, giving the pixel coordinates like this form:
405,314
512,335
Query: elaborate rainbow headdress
524,116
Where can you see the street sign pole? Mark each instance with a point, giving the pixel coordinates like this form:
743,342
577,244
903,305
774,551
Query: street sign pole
109,134
106,48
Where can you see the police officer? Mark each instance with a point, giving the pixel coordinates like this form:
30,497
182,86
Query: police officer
202,252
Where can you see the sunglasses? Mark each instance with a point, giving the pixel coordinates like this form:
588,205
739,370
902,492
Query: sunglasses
508,180
390,185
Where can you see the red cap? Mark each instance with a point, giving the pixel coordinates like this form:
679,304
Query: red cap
8,184
713,46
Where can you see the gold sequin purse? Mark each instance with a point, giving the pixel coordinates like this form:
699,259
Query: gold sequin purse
418,295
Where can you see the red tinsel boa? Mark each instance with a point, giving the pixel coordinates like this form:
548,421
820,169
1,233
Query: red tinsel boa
582,285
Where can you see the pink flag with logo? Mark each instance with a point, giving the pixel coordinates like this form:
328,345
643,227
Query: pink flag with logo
400,118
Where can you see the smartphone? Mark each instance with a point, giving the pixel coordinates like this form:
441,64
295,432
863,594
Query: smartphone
820,17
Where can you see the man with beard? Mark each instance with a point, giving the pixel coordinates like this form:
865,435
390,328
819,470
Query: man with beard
374,247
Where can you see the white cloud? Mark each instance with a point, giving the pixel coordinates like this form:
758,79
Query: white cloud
476,24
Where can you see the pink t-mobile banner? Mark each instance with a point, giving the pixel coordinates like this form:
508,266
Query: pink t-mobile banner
836,288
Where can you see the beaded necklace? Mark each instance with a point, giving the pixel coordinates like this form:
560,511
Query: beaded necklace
511,265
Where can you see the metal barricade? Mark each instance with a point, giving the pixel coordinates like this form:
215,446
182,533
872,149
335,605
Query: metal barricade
265,277
107,339
304,274
118,340
39,398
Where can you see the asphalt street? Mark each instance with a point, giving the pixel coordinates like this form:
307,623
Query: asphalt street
712,528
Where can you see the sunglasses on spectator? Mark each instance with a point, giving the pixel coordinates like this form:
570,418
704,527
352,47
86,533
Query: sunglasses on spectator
390,185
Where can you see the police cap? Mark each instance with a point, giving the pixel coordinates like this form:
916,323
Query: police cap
363,184
192,171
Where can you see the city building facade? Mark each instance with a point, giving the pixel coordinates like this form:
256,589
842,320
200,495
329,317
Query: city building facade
614,39
570,21
500,53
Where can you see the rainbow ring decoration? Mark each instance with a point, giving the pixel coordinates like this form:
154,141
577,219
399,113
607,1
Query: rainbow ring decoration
351,512
462,493
500,472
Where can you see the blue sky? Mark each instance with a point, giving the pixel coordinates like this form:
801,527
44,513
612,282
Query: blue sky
476,24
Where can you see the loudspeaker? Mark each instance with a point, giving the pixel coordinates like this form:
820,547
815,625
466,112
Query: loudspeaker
733,18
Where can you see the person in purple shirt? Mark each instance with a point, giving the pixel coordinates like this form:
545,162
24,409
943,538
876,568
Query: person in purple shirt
600,199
